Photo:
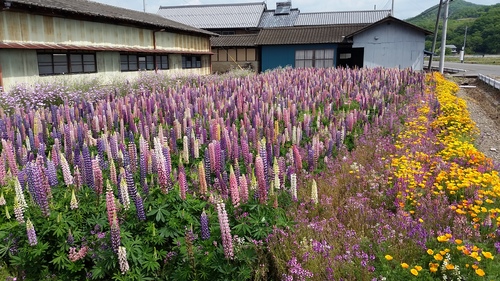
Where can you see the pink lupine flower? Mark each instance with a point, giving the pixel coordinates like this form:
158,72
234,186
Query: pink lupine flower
182,184
243,189
75,256
98,181
233,188
227,241
261,179
297,158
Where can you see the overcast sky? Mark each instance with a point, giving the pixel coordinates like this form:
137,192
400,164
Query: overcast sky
403,9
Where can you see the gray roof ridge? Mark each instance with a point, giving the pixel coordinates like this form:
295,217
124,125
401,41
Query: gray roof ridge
213,5
334,12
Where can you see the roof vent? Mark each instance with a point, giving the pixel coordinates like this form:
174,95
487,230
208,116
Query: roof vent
283,8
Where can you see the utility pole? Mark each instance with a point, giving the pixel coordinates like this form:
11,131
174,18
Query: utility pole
392,9
435,35
144,5
443,39
462,53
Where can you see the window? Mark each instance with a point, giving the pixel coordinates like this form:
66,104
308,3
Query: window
135,62
65,63
191,61
314,58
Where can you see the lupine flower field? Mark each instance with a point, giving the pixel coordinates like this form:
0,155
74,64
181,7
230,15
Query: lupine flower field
294,174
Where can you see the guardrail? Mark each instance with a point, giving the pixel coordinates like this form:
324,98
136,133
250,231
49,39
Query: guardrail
490,81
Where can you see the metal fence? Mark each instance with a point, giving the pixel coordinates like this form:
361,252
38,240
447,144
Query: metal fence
490,81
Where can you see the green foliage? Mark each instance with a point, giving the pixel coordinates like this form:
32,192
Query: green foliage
482,22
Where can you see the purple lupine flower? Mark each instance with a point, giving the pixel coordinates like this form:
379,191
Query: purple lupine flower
51,173
98,181
70,240
143,164
115,234
227,241
205,230
207,167
89,173
100,150
30,231
132,190
132,153
310,159
139,206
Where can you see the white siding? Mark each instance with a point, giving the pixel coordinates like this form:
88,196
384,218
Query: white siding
391,45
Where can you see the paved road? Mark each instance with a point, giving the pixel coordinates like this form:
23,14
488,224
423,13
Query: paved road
472,69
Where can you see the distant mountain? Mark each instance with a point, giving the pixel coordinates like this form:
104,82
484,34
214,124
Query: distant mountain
482,22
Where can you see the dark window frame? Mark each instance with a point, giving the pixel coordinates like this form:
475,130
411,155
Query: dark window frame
143,62
191,61
315,59
65,62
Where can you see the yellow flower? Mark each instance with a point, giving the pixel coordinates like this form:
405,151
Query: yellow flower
450,266
488,255
438,257
433,269
388,257
418,267
458,241
404,265
480,272
430,252
415,272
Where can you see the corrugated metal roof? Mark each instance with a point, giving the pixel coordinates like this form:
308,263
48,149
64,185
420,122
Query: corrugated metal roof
242,15
306,34
94,10
240,40
353,17
269,19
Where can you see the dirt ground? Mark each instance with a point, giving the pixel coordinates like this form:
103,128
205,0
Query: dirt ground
483,103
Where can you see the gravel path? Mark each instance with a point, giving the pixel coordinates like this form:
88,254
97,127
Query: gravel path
483,103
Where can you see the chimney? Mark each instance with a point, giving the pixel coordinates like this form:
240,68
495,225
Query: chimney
283,8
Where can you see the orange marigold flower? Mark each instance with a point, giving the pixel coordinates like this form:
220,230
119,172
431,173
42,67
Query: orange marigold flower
488,255
438,257
415,272
430,252
404,265
418,267
450,266
480,272
458,241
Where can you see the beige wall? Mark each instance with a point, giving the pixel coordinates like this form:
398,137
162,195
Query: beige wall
21,65
225,59
27,28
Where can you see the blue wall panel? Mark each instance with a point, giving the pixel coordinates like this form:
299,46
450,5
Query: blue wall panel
274,56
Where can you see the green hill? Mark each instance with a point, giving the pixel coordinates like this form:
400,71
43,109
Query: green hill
482,22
